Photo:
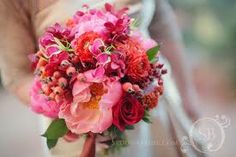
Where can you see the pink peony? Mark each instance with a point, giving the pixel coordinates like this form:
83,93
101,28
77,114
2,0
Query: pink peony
94,96
41,104
92,21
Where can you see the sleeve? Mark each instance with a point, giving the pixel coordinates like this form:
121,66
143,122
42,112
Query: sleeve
164,25
16,42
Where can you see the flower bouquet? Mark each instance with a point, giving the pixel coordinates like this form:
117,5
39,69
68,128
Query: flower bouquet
95,74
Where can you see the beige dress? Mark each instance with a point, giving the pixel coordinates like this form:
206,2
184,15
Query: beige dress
146,140
22,22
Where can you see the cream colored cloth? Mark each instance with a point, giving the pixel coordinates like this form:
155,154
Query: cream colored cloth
22,22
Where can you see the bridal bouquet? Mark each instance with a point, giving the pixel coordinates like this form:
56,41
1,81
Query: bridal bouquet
95,74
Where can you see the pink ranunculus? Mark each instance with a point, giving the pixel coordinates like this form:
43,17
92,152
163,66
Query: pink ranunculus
40,104
95,114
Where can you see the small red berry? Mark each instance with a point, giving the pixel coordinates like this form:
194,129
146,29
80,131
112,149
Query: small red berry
57,98
128,87
65,63
58,90
70,71
52,96
136,88
46,90
62,82
56,74
81,77
160,66
160,82
164,71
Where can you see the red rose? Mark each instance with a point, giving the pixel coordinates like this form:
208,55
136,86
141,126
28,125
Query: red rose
128,111
138,67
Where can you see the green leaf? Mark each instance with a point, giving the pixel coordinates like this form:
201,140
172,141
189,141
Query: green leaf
129,127
116,146
146,113
147,120
51,143
135,23
152,53
119,133
56,129
116,133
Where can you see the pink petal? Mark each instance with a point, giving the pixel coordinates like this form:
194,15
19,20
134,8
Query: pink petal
112,96
103,58
114,65
83,96
52,50
96,75
79,87
104,122
98,43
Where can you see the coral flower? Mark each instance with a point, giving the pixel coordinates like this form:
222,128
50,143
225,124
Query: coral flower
82,46
137,63
94,96
138,68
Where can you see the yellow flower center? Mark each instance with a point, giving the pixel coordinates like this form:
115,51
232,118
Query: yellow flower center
92,104
97,91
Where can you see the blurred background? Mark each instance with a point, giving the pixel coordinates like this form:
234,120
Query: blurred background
209,32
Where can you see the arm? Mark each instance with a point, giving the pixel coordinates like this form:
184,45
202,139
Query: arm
16,43
165,30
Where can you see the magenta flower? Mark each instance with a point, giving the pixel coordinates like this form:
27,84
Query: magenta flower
53,41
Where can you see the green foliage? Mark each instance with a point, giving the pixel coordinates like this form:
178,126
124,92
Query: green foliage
129,127
116,147
146,117
152,52
119,140
115,133
55,130
51,143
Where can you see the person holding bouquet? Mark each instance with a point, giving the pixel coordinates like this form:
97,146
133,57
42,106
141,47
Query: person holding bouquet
23,22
